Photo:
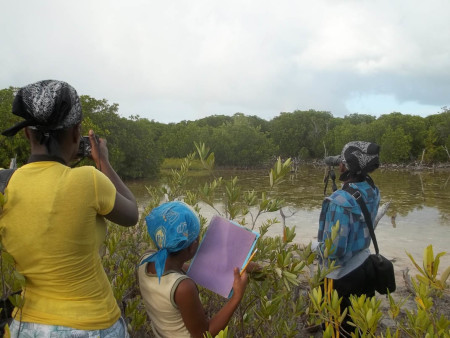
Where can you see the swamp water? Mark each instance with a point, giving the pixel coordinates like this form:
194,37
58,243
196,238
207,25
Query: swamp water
419,213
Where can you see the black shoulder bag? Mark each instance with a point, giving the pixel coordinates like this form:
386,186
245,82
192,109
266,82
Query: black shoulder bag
384,269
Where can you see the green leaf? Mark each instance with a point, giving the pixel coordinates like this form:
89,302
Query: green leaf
436,263
415,264
445,275
20,278
3,200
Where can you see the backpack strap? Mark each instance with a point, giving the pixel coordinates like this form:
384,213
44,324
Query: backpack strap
358,197
5,175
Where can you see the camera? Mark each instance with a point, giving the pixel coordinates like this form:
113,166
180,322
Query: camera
84,149
332,161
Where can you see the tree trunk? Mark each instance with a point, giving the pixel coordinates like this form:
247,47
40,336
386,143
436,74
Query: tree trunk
423,154
446,149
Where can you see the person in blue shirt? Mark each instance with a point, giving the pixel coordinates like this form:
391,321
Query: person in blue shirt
350,248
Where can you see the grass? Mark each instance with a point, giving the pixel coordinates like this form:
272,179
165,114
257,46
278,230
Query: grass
175,163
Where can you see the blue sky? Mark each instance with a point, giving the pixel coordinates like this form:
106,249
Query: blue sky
178,60
373,104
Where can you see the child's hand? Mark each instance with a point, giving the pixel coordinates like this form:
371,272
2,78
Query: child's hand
253,267
240,283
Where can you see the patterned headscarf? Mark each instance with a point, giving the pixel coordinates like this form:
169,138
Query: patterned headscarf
46,105
173,226
360,157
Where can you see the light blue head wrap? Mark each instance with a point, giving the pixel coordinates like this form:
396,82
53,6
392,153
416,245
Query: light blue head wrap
173,226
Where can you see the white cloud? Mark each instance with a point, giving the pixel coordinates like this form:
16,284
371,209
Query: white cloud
178,60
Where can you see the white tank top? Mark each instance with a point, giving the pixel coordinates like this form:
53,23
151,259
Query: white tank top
159,302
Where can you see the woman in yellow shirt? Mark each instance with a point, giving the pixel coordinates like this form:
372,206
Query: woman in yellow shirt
53,223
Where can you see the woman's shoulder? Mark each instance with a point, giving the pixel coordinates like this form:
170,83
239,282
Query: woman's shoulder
368,191
89,174
83,170
342,198
82,173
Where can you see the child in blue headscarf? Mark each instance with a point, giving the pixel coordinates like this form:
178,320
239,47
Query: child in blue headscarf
170,297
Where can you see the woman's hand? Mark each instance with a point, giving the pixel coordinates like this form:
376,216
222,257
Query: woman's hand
125,210
99,150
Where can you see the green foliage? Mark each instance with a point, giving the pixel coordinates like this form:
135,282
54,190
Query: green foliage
120,256
222,334
279,171
300,129
176,139
441,123
284,297
276,283
240,144
395,307
11,280
329,247
131,142
206,158
340,135
396,145
428,274
359,119
175,163
137,146
365,313
434,150
425,322
3,200
304,153
16,146
326,308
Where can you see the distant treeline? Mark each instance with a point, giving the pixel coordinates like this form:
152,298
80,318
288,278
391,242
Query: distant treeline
138,146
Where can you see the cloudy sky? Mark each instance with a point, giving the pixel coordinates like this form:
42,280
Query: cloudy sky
183,60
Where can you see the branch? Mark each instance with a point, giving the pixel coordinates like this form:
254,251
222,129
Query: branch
407,280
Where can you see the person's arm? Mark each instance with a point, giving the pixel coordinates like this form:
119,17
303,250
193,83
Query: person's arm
221,319
125,210
193,314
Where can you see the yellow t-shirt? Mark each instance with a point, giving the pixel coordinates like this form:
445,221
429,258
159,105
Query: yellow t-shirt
52,226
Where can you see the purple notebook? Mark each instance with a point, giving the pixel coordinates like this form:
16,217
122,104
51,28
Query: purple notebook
226,245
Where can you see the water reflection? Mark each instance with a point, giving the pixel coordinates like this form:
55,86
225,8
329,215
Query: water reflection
419,213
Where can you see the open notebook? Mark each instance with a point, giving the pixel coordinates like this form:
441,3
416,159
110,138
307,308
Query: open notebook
226,245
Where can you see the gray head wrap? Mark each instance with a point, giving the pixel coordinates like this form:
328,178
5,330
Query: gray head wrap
361,157
46,105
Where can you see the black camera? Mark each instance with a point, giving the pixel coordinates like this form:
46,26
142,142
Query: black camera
84,149
332,161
